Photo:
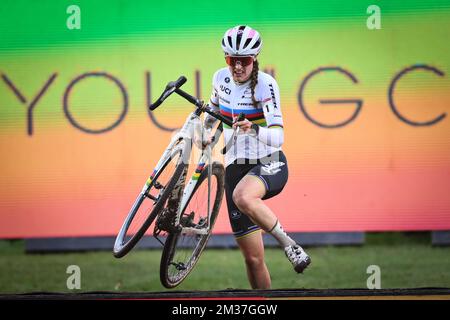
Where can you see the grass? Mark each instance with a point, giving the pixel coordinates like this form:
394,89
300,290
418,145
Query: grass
406,260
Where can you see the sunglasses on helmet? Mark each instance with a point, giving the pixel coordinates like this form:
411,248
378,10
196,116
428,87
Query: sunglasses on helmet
243,60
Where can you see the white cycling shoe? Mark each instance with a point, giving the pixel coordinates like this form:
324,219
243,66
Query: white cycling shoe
298,257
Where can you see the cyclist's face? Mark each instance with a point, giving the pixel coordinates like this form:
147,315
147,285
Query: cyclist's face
241,71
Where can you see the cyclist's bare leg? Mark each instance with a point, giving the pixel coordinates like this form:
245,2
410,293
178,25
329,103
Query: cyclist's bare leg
252,247
248,196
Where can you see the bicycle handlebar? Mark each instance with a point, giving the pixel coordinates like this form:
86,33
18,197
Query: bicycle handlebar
178,83
170,88
174,86
189,98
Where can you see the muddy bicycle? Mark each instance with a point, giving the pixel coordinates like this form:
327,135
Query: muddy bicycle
183,212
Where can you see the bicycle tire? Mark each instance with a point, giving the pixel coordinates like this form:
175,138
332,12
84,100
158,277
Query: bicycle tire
172,245
122,245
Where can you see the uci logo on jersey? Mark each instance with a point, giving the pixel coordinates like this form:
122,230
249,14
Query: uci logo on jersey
225,89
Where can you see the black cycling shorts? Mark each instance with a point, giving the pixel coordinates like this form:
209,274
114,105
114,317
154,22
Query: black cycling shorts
273,172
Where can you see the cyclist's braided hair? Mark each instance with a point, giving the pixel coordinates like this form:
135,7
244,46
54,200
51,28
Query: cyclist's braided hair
254,81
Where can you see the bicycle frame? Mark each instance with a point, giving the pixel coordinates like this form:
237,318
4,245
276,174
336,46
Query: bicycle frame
175,191
189,188
184,133
187,132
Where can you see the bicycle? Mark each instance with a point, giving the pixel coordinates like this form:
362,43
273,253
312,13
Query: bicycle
176,207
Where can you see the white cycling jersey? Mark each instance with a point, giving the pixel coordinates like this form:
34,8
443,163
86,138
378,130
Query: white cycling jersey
231,98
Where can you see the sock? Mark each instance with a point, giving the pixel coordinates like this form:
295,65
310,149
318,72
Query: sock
278,233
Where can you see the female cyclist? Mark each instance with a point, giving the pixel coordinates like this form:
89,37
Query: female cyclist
256,167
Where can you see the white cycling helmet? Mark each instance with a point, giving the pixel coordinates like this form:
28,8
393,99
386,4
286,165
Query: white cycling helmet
241,41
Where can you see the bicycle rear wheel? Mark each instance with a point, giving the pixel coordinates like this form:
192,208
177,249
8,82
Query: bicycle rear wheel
182,250
151,201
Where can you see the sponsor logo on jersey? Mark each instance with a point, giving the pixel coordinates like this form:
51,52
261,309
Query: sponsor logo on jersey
235,215
223,99
247,94
272,93
273,167
227,80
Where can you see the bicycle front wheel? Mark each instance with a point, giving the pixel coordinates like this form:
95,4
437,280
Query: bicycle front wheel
183,249
150,202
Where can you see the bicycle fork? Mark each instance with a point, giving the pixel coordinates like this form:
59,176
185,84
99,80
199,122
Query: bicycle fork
205,163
